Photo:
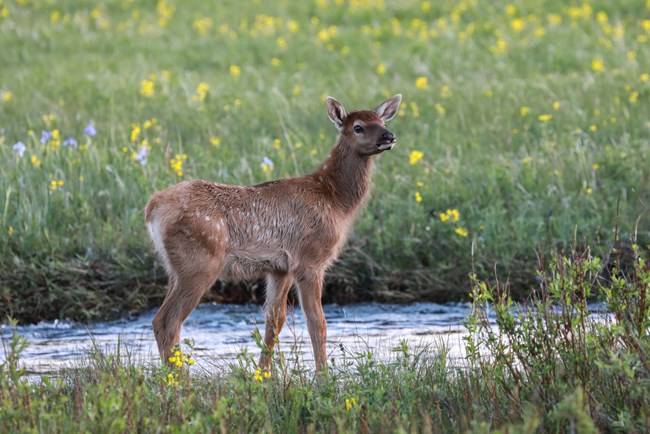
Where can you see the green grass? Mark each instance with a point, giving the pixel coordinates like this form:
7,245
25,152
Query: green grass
553,367
77,247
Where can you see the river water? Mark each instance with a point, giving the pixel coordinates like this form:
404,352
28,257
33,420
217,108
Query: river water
220,332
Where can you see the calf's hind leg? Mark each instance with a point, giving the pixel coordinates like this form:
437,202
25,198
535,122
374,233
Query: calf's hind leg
192,274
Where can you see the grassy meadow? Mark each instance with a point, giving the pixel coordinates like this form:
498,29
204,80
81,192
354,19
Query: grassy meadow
524,131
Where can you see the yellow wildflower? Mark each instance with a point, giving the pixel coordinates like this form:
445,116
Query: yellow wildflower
202,90
440,109
418,197
445,92
275,62
523,111
55,140
554,19
7,96
381,69
176,164
235,71
633,97
215,141
597,65
135,132
55,184
415,110
10,231
327,33
545,117
349,403
293,26
257,376
202,25
421,83
415,156
48,119
147,88
499,47
165,12
517,25
527,159
450,215
461,232
556,105
276,143
644,77
36,161
589,190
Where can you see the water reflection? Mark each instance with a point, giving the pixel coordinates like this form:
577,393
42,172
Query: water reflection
220,332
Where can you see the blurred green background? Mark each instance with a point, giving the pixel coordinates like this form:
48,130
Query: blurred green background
524,130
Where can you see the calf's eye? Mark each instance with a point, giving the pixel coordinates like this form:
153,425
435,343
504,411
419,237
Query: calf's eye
358,129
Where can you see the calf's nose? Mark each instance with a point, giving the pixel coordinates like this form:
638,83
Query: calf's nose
388,137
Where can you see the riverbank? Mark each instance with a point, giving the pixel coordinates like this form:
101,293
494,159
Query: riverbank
551,366
101,290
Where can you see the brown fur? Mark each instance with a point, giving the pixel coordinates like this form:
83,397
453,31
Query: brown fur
290,230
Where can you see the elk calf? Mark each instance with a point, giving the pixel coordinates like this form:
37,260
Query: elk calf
289,230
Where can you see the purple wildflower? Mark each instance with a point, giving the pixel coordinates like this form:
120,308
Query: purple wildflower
45,136
142,155
19,148
90,130
266,161
70,141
